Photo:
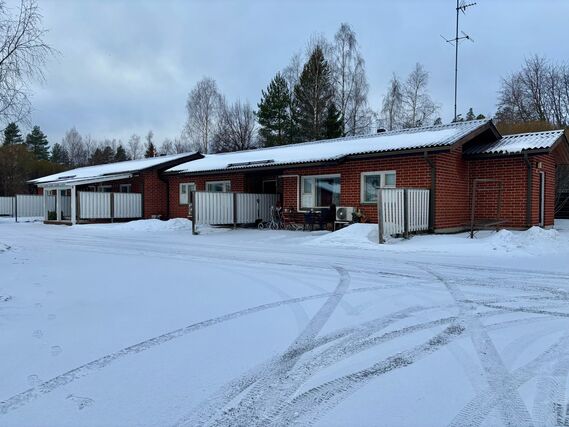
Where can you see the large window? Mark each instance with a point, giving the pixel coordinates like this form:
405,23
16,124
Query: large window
185,189
371,181
320,191
218,186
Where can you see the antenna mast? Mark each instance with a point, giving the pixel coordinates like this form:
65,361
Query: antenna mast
461,6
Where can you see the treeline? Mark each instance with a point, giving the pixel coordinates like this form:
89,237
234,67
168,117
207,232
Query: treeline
536,97
22,159
76,150
320,94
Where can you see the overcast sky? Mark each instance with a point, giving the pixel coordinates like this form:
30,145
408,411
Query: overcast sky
127,66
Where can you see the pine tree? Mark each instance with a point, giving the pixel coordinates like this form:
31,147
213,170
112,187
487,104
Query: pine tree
59,154
150,150
37,143
470,115
313,94
274,113
120,155
334,122
97,157
12,135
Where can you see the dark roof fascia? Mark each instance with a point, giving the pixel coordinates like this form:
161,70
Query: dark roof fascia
478,131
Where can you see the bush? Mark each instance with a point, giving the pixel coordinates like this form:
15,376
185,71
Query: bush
51,216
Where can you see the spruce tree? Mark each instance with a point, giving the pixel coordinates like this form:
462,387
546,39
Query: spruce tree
59,154
470,115
274,113
37,143
334,123
120,155
12,135
313,94
150,150
97,157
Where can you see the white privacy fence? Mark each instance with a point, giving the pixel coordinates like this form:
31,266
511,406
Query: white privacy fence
29,206
231,208
7,206
402,211
109,205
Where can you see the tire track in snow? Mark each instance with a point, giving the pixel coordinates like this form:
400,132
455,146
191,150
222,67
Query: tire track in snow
213,406
314,403
245,412
48,386
480,407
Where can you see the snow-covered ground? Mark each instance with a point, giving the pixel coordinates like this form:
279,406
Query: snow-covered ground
145,324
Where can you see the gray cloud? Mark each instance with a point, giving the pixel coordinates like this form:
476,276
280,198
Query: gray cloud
127,66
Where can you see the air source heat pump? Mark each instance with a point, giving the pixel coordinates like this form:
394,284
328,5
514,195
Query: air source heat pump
344,213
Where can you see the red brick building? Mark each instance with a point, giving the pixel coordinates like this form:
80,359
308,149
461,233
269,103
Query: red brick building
450,160
144,176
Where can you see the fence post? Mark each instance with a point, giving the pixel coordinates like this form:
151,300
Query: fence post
380,215
234,211
406,213
194,201
112,206
16,208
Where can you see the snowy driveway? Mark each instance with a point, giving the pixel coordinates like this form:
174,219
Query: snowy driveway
142,325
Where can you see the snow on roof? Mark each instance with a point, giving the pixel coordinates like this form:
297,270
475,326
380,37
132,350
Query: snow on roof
333,149
106,170
518,143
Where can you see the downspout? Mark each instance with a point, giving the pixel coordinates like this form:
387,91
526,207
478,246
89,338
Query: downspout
167,182
529,190
432,198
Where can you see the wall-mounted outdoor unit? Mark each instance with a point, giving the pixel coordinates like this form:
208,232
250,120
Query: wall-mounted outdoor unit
344,213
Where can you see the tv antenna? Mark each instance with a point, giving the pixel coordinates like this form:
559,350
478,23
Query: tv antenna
461,6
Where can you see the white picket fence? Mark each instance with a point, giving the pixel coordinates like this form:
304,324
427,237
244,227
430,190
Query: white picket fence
402,211
231,208
109,205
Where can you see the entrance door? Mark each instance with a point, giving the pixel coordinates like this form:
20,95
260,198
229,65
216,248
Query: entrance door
542,199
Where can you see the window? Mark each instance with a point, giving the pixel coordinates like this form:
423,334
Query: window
185,190
218,186
320,191
125,188
371,181
105,189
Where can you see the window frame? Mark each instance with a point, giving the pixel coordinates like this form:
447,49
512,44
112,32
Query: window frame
313,194
382,184
101,188
226,186
127,186
187,194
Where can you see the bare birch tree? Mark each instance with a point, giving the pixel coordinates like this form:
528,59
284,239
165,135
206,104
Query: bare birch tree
236,128
23,54
350,82
418,107
135,147
73,143
392,104
202,109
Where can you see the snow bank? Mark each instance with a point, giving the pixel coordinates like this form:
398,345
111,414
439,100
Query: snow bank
142,225
352,236
533,241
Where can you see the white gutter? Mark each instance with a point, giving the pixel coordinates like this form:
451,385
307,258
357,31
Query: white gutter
68,183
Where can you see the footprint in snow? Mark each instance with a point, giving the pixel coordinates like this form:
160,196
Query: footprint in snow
38,305
51,316
33,380
37,284
81,402
56,350
38,333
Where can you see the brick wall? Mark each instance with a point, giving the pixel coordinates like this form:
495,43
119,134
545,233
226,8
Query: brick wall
411,171
512,171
